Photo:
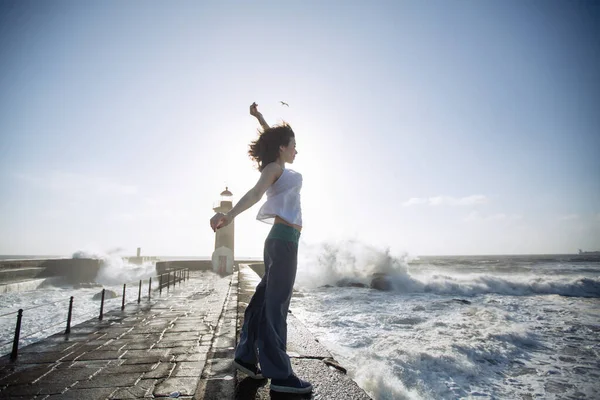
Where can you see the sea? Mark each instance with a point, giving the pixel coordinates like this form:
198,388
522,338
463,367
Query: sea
456,327
448,327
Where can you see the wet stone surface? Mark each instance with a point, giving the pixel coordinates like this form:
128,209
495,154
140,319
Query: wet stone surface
181,343
152,349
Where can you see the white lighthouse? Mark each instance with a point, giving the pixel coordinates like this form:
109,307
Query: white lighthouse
223,256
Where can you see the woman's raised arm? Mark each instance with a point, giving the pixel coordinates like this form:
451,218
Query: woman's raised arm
254,111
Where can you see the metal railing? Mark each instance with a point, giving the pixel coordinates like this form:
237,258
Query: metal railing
179,275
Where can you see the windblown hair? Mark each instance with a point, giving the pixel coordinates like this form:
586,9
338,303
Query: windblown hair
265,149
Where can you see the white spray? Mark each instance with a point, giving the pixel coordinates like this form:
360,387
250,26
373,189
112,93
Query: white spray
114,270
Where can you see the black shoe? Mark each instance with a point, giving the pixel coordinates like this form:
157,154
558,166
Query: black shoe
251,370
291,384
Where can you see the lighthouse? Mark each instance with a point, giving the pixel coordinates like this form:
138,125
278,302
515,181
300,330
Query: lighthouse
223,256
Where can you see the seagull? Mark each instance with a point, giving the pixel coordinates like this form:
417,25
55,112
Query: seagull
283,103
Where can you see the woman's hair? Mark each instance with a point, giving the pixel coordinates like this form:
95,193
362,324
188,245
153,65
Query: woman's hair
265,149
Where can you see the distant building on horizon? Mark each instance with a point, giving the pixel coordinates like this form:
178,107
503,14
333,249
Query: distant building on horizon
595,253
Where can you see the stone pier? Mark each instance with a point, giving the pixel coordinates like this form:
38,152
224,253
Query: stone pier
178,345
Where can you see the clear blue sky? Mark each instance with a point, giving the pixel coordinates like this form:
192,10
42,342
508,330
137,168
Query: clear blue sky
439,127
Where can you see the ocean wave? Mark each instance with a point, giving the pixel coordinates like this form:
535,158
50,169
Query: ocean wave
114,269
489,284
352,263
574,287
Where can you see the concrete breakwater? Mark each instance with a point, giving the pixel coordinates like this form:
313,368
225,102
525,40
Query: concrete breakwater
19,270
77,270
165,266
22,286
16,276
22,275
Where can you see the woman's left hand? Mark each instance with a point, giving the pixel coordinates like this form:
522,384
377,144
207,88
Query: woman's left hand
219,221
254,110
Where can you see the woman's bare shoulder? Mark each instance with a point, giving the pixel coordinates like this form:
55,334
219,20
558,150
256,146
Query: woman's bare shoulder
269,175
273,170
273,167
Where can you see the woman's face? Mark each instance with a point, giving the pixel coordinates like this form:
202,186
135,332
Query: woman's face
288,153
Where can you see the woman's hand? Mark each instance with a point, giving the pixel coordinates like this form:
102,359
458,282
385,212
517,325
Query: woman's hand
219,221
254,110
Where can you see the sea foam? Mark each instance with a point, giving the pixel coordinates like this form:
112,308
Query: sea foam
115,270
352,261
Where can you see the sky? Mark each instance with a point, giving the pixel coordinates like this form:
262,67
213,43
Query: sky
432,128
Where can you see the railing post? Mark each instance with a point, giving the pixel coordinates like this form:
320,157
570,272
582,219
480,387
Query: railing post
102,305
15,349
179,277
123,300
68,330
149,287
140,292
160,284
168,280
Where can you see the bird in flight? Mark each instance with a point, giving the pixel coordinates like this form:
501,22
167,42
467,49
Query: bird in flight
283,103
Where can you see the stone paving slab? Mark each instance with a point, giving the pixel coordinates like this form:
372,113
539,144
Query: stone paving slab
150,349
328,383
218,375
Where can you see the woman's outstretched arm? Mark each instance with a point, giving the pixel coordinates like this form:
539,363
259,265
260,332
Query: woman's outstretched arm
267,177
254,111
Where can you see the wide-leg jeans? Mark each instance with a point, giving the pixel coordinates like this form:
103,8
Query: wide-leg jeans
264,333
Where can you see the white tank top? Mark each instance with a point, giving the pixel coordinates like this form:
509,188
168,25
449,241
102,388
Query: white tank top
283,199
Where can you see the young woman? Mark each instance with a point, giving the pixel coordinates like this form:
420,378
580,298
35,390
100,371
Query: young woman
264,334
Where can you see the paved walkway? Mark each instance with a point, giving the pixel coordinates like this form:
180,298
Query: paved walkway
179,345
157,349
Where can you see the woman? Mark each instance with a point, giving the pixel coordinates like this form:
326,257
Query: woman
264,333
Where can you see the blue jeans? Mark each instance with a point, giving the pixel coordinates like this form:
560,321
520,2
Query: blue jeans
264,333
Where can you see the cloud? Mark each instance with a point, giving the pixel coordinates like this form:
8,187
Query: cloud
568,217
70,181
477,217
414,201
152,214
447,201
153,209
118,202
